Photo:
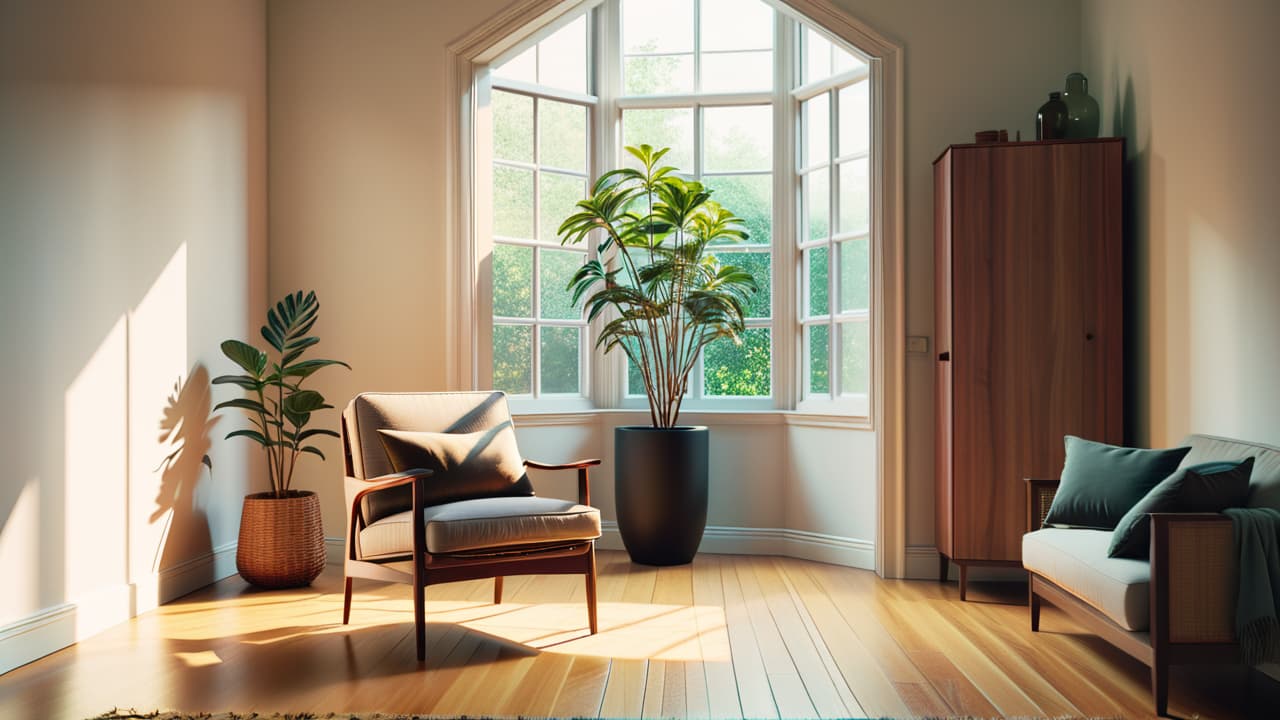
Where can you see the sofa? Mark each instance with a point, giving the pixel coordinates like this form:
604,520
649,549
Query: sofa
1178,607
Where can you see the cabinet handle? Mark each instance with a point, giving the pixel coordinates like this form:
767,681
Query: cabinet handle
1088,336
944,357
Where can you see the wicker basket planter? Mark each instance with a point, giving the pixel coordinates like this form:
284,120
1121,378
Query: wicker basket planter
281,540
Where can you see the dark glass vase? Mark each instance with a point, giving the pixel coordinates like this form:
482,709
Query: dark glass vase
1082,110
1051,119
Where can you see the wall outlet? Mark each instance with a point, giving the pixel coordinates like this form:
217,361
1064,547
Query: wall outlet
917,344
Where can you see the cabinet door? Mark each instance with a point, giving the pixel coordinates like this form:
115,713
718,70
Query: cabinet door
1035,324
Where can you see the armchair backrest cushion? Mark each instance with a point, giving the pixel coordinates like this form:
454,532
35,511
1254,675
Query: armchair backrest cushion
449,412
467,466
1264,485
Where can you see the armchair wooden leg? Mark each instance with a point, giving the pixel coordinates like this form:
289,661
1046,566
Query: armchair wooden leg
346,603
497,590
1035,611
591,589
964,582
1160,684
420,617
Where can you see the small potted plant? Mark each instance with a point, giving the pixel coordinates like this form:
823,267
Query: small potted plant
670,296
281,537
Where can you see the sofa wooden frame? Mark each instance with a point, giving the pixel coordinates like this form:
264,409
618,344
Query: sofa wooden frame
577,557
1194,581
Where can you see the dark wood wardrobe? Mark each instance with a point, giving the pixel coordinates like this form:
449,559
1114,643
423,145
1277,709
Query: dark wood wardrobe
1029,329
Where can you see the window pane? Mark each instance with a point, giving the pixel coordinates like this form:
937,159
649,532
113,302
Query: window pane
737,138
750,197
635,381
855,119
855,358
658,74
759,265
512,127
819,346
855,275
561,359
650,26
737,71
816,263
660,128
738,370
855,196
844,60
555,269
562,58
512,202
523,67
736,25
512,281
817,57
816,117
562,135
513,358
559,194
817,200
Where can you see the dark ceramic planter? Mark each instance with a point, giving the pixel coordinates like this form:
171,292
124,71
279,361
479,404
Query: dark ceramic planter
660,481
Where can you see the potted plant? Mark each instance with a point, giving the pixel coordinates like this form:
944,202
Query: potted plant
670,296
281,538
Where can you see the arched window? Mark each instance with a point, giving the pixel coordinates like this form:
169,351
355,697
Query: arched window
770,112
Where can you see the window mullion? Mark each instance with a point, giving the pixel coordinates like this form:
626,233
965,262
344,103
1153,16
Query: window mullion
833,188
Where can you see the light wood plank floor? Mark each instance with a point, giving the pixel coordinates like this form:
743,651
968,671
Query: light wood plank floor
729,636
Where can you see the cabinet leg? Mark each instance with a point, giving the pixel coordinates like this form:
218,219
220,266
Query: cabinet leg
964,581
942,568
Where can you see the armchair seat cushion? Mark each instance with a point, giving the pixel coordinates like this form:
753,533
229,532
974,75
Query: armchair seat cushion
485,523
1076,561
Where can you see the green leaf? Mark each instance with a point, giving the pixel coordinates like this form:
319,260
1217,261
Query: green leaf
313,450
304,401
248,357
316,431
252,435
306,367
244,381
242,403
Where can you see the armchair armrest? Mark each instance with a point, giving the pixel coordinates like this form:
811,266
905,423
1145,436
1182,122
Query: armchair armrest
584,485
1040,494
357,489
1194,578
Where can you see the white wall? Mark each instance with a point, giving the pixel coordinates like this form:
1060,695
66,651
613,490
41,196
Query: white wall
358,110
132,221
1191,87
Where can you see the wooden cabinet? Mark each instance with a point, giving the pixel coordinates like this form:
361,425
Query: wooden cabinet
1029,323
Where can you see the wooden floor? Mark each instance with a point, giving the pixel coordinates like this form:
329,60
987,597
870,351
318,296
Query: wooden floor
729,636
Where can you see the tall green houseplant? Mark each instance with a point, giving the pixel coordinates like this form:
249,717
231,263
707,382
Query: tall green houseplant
278,406
670,293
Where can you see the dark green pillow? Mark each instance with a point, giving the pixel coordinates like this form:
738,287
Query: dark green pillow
1101,482
1206,487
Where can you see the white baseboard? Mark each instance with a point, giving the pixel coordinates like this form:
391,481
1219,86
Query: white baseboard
922,564
54,628
819,547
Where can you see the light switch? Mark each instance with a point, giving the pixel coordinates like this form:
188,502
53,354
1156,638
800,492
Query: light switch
917,344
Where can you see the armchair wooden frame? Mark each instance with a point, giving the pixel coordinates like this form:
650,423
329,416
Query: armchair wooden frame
1194,580
571,558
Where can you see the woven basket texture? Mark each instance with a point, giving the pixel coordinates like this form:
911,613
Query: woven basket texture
281,540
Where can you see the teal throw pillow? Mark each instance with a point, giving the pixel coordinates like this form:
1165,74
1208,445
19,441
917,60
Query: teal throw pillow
1101,482
1206,487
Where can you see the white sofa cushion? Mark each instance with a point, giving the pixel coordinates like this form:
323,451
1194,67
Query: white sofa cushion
484,523
1076,561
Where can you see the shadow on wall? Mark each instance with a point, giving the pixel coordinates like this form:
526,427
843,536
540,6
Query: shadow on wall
1148,270
186,427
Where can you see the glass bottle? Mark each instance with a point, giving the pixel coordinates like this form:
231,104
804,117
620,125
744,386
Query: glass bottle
1051,119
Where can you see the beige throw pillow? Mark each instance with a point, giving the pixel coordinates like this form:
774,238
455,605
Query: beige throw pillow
467,465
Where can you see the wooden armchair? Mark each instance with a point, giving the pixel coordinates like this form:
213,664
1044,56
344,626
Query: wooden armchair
1191,592
430,525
